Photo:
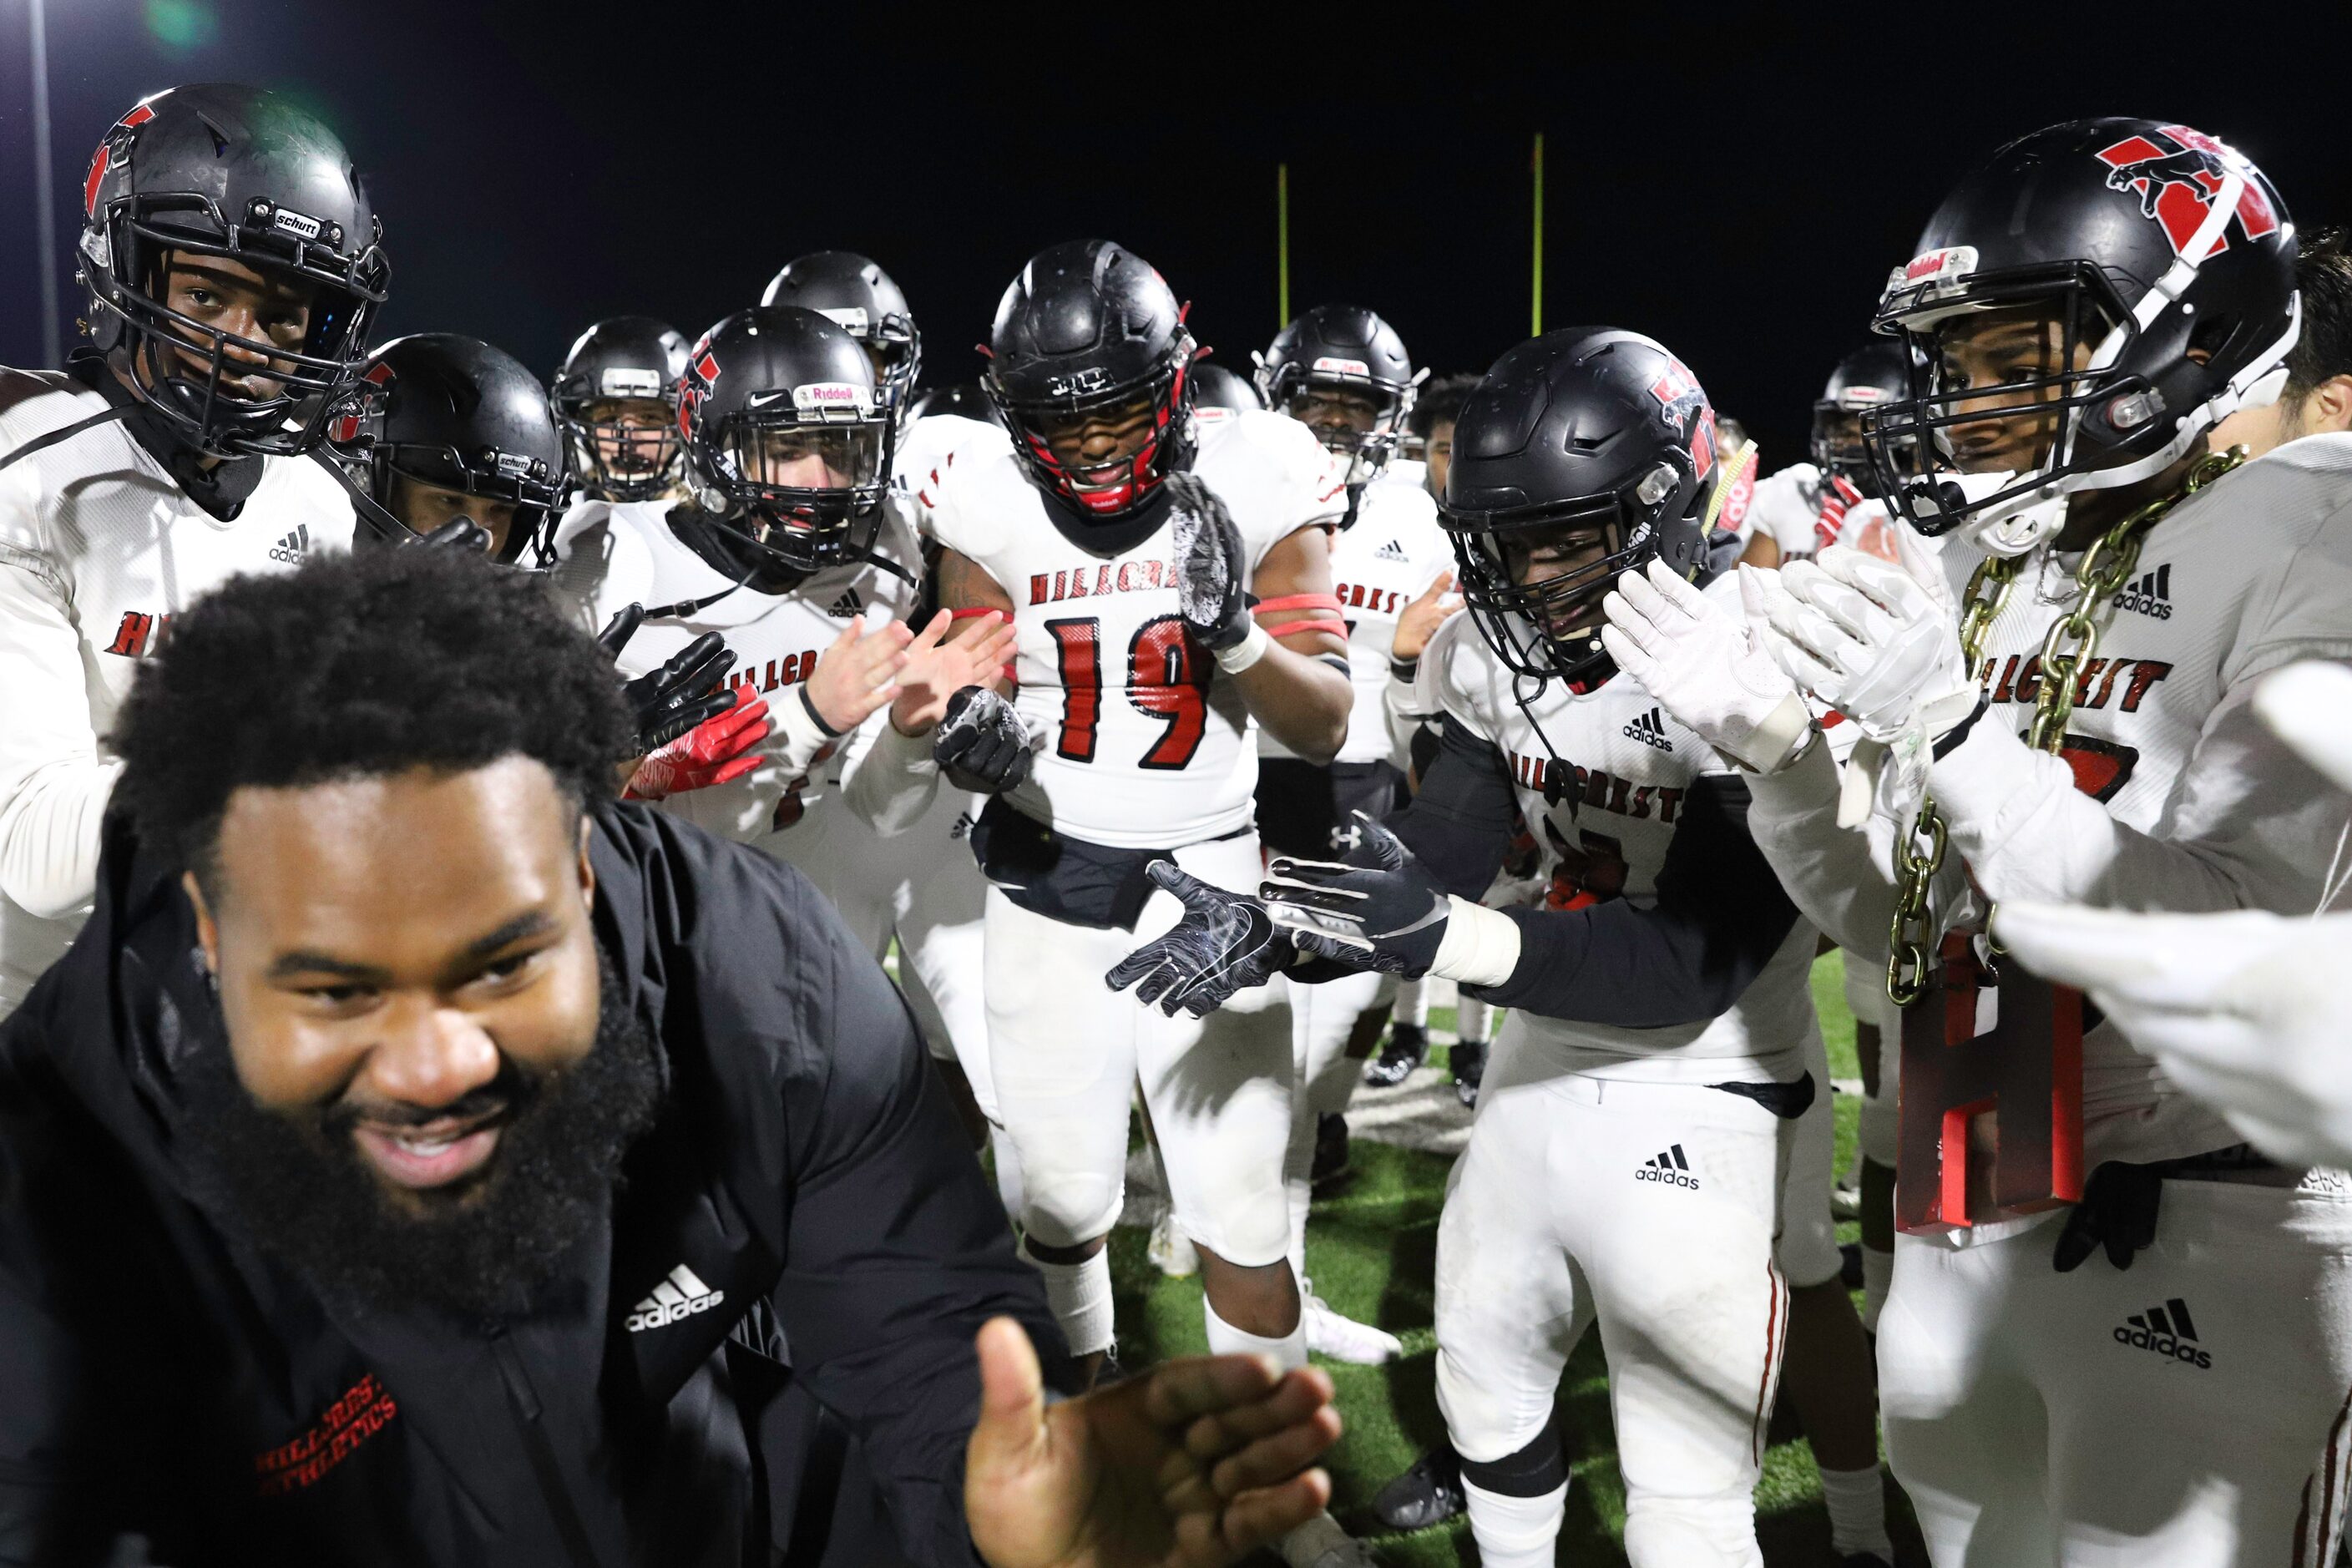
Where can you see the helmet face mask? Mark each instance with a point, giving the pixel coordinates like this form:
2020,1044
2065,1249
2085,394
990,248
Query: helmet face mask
1343,372
1582,455
789,442
2082,310
235,194
617,394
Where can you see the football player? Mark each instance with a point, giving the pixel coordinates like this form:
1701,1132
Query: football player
1126,542
616,394
794,548
450,427
1797,509
234,265
1641,1101
1344,373
2081,311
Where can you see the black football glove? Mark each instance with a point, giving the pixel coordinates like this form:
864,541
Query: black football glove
982,743
1210,566
1383,910
2117,1213
682,693
1224,943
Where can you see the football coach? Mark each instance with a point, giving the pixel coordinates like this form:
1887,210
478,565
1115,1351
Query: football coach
422,1157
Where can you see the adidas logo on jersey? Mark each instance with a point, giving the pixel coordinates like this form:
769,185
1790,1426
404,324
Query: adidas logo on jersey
2151,595
1669,1169
960,828
2166,1331
848,608
1393,551
289,549
1651,731
680,1296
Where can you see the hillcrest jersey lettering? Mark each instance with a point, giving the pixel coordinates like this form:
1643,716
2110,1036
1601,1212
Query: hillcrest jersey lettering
1603,815
1145,743
1379,563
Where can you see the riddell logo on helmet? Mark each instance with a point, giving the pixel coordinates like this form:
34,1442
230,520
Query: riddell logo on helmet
1328,365
1937,266
2176,184
829,395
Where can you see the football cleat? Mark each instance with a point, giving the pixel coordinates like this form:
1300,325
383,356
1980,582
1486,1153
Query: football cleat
1406,1048
1340,1337
1429,1493
1469,1068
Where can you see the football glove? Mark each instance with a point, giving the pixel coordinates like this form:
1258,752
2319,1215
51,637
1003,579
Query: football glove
982,743
1385,913
1210,566
713,753
681,694
1224,944
1702,662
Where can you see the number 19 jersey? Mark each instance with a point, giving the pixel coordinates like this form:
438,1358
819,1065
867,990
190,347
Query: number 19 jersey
1146,744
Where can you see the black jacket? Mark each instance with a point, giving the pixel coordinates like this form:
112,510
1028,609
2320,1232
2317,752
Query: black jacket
161,1379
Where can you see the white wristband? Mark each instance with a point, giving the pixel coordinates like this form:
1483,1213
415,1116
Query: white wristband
804,735
1247,651
1480,947
1774,743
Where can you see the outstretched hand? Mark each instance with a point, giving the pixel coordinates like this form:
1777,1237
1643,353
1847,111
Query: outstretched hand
1224,942
1194,1465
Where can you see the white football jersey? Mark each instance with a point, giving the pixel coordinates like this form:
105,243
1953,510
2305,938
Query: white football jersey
1623,768
100,548
1784,509
613,555
1146,745
926,448
1379,563
2248,575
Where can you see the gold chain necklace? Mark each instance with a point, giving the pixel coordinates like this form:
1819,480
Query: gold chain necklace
2072,642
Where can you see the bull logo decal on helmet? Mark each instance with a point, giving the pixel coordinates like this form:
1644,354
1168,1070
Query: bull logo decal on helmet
700,372
1678,395
2176,184
112,153
362,402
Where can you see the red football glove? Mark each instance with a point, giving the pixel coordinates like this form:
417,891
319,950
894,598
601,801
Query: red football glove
713,753
1834,506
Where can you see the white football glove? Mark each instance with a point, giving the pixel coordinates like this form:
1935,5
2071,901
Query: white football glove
1704,665
2245,1011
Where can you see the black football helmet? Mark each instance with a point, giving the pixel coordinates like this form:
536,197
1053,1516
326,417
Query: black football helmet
624,360
767,391
964,398
858,296
451,412
2164,264
1592,443
1872,375
1214,386
1345,348
241,174
1090,328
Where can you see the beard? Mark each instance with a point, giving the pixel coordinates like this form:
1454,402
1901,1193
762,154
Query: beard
297,1187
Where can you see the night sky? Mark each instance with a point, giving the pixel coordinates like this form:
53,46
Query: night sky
1735,185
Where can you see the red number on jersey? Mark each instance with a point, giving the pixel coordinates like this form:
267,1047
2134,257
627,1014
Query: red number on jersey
1078,657
1167,679
1162,682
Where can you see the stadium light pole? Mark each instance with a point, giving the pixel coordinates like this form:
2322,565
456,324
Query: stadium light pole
1535,294
1282,245
44,189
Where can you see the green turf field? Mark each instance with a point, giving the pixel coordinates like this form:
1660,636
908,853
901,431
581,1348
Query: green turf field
1370,1249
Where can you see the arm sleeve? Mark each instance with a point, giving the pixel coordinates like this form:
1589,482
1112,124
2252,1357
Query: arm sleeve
1835,876
2248,825
1718,918
54,780
1459,826
897,1248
